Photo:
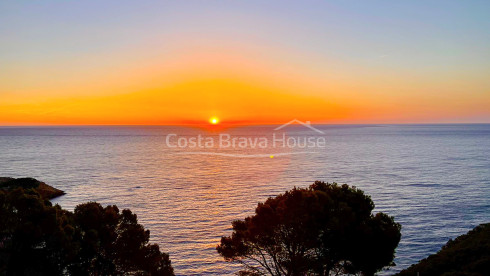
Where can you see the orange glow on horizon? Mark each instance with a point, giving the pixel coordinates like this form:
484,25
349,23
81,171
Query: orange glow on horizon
237,90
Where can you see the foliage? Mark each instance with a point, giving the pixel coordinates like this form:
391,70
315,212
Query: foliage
26,183
323,229
37,238
467,255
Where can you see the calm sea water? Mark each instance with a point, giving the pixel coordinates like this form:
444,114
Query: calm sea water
434,179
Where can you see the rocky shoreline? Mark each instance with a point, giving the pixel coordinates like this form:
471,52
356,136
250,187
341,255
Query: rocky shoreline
45,190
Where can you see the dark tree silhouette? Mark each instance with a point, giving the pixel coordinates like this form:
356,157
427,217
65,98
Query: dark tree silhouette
323,229
37,238
32,236
114,243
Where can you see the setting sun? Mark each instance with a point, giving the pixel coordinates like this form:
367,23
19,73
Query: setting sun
214,120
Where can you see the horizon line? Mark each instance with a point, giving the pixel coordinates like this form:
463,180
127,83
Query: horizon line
221,125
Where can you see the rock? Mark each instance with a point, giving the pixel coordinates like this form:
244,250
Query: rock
46,191
467,255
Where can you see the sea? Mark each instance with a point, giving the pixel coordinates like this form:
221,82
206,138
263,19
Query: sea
187,184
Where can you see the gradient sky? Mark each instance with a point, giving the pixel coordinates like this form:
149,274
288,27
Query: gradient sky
173,62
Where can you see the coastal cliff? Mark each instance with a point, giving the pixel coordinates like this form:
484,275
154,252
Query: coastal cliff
46,191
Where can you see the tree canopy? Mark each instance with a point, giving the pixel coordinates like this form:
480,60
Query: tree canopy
313,231
37,238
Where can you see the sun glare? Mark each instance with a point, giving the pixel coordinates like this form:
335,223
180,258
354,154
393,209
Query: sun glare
214,121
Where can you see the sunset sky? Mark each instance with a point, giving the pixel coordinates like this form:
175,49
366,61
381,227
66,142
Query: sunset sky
244,62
